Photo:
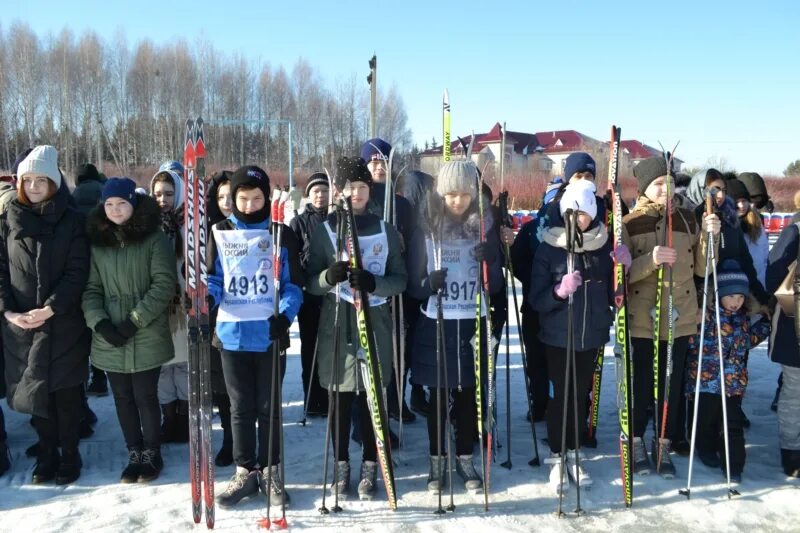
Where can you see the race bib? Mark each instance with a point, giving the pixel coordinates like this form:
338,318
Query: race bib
461,285
248,281
374,254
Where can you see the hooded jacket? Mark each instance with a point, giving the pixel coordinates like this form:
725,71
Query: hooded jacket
44,261
132,277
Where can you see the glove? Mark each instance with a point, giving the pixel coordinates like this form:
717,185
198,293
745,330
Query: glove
127,328
622,255
483,252
362,280
107,330
437,279
711,223
569,284
337,272
278,326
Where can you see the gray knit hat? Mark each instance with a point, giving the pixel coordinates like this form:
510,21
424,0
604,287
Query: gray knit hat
458,176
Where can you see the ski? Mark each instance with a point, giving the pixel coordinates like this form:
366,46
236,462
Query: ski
369,364
594,407
622,348
201,462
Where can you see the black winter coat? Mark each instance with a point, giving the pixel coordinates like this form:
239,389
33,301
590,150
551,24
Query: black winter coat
733,246
592,301
457,333
44,261
783,347
87,194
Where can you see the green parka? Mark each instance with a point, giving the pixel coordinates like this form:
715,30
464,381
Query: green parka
132,275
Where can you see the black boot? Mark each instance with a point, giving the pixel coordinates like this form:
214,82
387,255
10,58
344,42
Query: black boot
169,414
151,464
419,401
790,460
98,386
46,465
69,468
181,433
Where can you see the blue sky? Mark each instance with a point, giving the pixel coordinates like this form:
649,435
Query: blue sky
721,77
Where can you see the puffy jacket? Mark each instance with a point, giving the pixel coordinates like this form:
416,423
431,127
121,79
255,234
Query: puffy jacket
132,277
252,336
783,347
643,229
44,261
592,316
738,338
393,282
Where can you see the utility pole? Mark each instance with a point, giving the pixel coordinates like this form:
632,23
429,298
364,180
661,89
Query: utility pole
372,79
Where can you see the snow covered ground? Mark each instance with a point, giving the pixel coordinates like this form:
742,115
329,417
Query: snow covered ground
520,498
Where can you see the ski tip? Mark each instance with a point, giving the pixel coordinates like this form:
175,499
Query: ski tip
263,523
280,523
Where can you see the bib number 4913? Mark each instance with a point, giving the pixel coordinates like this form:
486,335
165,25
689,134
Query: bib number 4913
244,286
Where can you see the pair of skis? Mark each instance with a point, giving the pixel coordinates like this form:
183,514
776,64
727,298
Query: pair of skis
201,462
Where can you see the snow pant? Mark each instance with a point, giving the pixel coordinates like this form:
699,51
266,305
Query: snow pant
138,412
341,436
173,383
248,378
537,362
789,409
584,369
709,429
3,435
308,320
464,417
62,425
643,386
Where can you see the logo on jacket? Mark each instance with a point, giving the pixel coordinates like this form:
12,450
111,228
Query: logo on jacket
263,245
377,249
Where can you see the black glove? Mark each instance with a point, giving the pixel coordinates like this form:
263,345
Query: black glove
437,279
362,280
127,328
483,252
337,272
107,330
278,326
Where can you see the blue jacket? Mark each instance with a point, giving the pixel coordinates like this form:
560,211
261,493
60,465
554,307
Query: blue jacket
783,347
253,336
591,302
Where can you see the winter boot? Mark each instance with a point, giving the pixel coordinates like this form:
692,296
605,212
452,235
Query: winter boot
576,470
276,492
419,402
369,474
790,460
5,458
131,472
151,466
341,478
46,465
641,464
710,458
32,450
558,481
681,447
664,465
465,469
181,433
436,474
244,483
69,468
169,414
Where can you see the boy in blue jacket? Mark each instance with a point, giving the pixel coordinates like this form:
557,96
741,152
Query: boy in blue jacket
240,281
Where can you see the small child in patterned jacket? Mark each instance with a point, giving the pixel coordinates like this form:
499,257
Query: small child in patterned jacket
740,333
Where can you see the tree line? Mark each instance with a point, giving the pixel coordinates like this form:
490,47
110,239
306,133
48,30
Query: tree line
100,100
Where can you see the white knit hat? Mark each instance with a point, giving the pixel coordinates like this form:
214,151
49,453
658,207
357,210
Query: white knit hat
42,161
579,195
457,176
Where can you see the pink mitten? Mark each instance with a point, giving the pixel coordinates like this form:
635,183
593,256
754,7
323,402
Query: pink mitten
569,284
622,255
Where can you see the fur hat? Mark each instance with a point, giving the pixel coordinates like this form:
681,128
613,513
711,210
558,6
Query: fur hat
458,176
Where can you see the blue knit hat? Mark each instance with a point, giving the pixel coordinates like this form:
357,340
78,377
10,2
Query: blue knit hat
552,189
731,280
578,162
375,148
124,188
